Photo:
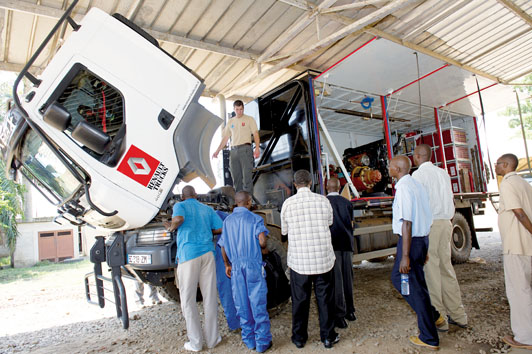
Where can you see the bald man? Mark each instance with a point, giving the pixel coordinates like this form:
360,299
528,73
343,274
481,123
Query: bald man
439,272
196,223
411,221
515,226
344,246
242,241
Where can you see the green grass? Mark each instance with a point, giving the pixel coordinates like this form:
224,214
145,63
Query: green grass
9,275
5,261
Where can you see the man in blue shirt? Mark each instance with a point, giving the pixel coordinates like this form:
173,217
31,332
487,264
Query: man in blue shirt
223,283
195,224
412,219
242,241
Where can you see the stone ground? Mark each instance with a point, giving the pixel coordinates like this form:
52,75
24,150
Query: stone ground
50,315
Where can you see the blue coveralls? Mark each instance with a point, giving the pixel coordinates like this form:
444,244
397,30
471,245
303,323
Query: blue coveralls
248,279
223,283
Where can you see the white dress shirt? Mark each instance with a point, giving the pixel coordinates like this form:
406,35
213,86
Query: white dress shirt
411,203
305,218
437,183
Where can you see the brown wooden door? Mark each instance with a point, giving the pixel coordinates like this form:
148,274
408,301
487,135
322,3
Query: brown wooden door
56,246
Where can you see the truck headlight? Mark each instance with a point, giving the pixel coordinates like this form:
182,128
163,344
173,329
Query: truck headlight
154,237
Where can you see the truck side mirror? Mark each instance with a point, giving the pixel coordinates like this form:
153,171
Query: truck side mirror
91,137
57,116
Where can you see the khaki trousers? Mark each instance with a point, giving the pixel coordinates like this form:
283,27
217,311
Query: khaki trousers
439,272
518,279
202,271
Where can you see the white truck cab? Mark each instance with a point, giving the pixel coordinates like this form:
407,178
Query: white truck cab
113,124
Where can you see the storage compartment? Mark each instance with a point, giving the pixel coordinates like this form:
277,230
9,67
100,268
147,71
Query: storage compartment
454,135
453,152
455,185
453,167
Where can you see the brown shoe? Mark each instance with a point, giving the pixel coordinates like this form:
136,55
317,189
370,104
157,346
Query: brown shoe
441,324
419,343
508,339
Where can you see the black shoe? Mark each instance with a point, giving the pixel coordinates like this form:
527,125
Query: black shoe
298,344
351,316
340,323
451,321
265,349
328,343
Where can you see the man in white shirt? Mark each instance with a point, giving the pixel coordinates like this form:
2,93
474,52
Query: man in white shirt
441,279
411,221
515,225
305,218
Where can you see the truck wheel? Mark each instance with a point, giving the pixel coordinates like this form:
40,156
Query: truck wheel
461,239
275,245
169,291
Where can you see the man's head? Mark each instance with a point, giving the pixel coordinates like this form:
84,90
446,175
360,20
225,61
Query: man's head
399,166
302,178
243,199
505,164
422,153
333,185
188,193
238,106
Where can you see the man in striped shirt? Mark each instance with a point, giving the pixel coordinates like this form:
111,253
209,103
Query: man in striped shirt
305,218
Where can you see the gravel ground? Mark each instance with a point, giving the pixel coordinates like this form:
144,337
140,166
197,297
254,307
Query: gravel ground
50,315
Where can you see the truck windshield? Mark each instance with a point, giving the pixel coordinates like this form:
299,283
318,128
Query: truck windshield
40,161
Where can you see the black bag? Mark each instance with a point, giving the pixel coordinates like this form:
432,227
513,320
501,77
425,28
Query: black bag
276,280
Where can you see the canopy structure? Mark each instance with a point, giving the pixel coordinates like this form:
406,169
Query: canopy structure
243,48
412,83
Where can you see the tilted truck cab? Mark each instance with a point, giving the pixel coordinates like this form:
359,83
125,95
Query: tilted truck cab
113,124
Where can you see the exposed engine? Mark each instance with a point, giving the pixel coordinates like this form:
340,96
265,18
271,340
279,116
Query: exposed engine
368,168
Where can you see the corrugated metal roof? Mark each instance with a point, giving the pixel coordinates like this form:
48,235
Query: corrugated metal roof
243,48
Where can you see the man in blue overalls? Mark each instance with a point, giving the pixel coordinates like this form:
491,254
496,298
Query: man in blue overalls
223,283
243,238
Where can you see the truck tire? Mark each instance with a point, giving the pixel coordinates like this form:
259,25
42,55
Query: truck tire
461,239
169,291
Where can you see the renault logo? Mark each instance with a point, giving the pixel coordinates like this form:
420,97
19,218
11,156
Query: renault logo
139,166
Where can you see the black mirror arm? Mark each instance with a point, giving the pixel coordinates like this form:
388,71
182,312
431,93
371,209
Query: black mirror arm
93,206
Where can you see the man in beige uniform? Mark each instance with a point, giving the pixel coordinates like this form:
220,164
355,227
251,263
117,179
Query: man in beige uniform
240,129
515,213
439,272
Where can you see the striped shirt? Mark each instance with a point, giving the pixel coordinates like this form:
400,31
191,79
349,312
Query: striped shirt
305,218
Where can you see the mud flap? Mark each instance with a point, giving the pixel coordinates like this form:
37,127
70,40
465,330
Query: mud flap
192,141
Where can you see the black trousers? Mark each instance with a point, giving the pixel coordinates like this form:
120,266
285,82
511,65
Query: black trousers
343,283
419,298
301,286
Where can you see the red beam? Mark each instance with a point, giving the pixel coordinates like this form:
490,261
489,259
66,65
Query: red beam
348,55
421,78
386,127
472,93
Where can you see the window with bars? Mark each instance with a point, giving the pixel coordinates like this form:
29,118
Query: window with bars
91,99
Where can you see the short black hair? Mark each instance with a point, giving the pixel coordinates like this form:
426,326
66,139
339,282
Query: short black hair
302,178
513,161
238,103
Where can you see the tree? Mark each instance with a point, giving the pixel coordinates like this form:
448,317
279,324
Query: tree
11,201
526,110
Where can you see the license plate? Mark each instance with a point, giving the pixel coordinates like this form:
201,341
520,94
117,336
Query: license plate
139,258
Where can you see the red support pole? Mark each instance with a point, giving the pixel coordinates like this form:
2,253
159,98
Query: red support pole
386,122
440,139
482,169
